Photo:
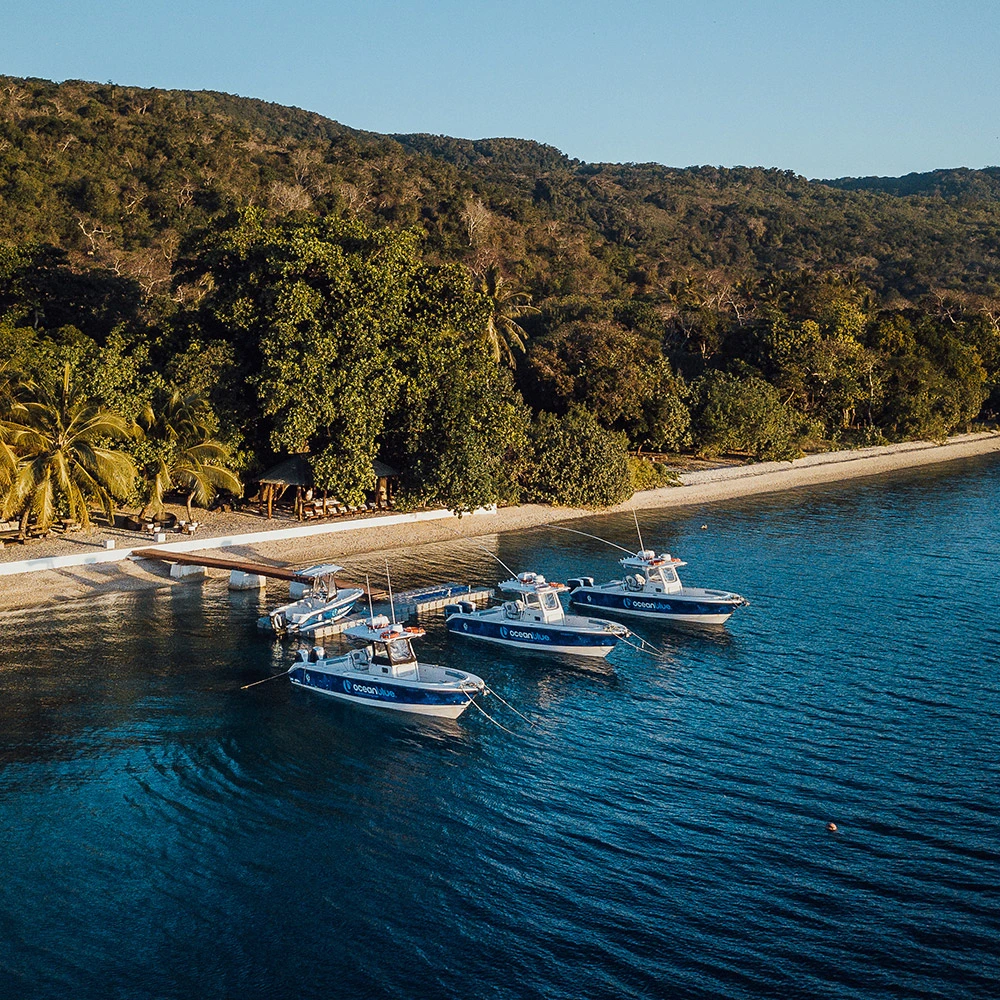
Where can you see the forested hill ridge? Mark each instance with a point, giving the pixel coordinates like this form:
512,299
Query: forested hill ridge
203,243
148,166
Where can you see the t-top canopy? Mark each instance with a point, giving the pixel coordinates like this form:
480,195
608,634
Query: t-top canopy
647,557
378,629
529,583
317,572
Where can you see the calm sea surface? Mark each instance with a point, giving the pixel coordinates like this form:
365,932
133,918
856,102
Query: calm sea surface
661,833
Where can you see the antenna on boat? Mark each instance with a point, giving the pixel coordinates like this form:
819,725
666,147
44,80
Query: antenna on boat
392,607
483,548
586,534
368,588
637,531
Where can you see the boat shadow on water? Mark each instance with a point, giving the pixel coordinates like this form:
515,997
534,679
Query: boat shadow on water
351,719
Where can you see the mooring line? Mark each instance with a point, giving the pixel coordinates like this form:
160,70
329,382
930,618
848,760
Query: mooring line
475,704
511,707
274,677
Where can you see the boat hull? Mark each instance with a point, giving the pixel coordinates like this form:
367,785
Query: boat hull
657,607
532,636
442,701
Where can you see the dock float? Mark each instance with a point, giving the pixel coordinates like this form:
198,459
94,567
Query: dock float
435,597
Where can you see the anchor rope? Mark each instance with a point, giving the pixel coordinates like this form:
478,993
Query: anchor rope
511,707
273,677
475,704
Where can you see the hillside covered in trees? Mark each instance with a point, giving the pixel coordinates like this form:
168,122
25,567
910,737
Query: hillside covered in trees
494,318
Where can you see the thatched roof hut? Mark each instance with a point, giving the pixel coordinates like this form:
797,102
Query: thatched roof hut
296,472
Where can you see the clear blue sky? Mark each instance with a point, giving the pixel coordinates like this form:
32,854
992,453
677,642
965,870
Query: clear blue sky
824,89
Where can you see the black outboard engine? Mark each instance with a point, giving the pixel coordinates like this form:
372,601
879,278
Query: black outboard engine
466,607
451,609
581,581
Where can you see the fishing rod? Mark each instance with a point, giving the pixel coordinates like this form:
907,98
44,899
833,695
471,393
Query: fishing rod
637,531
392,607
586,534
482,548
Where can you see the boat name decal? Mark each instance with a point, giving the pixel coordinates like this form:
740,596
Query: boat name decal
630,602
516,633
378,692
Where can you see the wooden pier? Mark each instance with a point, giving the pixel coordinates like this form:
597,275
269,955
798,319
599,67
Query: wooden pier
244,566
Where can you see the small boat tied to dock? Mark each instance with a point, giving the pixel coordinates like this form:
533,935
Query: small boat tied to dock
320,604
385,673
534,619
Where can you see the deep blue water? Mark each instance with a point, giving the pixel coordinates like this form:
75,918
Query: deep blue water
661,833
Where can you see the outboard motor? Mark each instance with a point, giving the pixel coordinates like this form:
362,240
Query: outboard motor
452,609
466,607
301,656
278,623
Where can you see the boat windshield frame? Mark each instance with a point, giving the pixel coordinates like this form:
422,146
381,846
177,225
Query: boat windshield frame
399,644
550,600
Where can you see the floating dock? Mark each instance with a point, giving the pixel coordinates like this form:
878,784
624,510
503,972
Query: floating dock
435,597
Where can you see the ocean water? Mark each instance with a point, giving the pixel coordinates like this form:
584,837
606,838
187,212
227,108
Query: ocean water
661,830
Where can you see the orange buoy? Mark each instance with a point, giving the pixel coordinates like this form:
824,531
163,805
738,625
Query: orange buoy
832,827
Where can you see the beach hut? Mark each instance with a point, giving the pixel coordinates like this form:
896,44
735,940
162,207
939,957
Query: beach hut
385,483
295,473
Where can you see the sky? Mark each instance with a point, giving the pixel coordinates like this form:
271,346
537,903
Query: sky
823,89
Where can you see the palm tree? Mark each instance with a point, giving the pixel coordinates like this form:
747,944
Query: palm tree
189,457
506,307
8,460
56,437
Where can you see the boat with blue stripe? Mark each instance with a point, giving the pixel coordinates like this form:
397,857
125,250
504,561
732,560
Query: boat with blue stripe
320,603
652,589
535,620
385,673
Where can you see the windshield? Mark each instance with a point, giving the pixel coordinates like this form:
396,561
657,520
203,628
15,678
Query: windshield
549,601
400,650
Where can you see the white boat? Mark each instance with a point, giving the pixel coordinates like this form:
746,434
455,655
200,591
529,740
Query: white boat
320,603
385,673
652,589
534,619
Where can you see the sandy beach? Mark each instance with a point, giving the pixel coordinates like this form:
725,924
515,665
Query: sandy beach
35,588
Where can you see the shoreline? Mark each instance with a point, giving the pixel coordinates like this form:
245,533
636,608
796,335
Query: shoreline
346,537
